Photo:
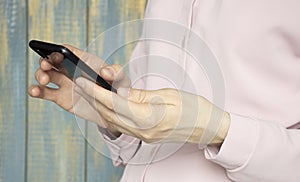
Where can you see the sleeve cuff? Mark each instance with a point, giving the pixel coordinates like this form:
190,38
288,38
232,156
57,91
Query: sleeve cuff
122,149
122,141
238,146
119,142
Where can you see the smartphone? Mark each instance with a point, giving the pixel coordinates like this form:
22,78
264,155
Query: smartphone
73,67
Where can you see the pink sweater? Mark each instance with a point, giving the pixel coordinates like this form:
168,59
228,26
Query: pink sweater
257,44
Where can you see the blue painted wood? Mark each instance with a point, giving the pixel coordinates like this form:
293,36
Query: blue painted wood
56,147
13,89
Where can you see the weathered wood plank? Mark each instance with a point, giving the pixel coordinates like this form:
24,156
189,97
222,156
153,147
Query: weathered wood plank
13,90
55,145
56,148
103,15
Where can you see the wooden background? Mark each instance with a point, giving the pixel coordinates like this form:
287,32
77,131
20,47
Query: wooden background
38,140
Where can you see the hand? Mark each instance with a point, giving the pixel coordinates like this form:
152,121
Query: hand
64,96
166,115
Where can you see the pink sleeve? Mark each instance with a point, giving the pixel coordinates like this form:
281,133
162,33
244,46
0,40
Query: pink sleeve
258,151
122,149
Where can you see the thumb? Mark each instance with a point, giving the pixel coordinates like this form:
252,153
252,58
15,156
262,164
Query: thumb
113,72
116,75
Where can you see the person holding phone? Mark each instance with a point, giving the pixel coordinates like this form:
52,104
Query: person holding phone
257,137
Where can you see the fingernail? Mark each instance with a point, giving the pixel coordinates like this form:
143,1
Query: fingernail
124,92
80,82
107,72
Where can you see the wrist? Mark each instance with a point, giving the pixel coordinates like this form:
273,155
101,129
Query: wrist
212,126
223,129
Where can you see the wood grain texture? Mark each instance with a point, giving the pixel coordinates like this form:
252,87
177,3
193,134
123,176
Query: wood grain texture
103,15
56,148
13,90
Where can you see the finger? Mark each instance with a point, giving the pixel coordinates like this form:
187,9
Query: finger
124,124
95,91
82,94
113,72
45,77
107,73
42,92
58,96
106,97
42,77
105,112
84,109
98,94
116,75
45,64
119,122
53,60
59,78
128,109
56,58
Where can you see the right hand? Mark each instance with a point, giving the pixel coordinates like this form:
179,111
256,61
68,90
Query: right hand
65,95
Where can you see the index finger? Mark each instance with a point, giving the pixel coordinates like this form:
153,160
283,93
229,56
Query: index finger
150,114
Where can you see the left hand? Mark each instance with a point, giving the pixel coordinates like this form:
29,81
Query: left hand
64,95
160,115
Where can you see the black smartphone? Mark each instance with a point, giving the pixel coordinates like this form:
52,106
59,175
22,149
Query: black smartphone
73,67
